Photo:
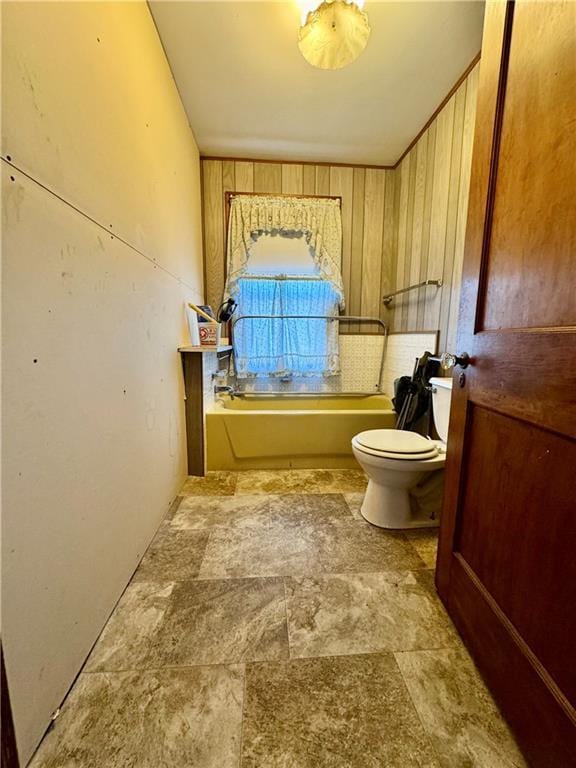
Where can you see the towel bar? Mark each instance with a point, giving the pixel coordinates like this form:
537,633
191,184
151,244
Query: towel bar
387,299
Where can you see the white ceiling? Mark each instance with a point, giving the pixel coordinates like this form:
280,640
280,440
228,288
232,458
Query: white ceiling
249,93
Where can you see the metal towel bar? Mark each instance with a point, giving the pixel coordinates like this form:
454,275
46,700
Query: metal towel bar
387,299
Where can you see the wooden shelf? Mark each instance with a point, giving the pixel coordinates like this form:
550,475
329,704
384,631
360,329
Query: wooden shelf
225,348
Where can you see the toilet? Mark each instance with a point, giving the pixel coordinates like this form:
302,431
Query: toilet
395,461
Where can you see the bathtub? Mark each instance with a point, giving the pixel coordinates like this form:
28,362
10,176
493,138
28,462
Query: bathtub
305,432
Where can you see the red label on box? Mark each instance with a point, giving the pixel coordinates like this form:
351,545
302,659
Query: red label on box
208,334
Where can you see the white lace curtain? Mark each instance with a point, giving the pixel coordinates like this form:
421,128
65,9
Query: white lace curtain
319,220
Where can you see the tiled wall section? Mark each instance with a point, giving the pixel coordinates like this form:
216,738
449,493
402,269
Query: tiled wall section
360,363
368,229
399,227
402,349
432,186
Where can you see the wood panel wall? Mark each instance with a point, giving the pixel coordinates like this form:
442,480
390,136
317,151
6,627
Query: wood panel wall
433,181
400,226
368,229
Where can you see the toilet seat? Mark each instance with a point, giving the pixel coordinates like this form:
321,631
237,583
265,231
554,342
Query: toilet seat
396,445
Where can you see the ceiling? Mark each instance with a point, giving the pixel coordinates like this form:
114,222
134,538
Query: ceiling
249,93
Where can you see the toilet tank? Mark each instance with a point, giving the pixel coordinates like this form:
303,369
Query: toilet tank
441,396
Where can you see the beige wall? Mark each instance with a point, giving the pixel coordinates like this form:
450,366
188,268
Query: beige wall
432,186
400,226
101,247
367,220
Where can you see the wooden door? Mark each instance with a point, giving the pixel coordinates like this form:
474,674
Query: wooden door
9,753
507,557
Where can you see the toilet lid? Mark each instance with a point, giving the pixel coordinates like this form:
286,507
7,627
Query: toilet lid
398,444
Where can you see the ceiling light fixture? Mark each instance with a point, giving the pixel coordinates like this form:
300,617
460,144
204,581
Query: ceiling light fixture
333,32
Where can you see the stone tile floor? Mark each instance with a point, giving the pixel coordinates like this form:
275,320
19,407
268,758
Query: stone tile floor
270,626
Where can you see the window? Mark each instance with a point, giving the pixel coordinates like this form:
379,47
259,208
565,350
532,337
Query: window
282,279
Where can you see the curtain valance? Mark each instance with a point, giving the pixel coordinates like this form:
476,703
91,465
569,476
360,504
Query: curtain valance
317,219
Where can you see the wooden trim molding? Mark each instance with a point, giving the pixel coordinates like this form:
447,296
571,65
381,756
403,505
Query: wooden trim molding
439,108
279,161
393,167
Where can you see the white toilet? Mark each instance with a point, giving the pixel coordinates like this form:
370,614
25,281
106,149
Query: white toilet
395,461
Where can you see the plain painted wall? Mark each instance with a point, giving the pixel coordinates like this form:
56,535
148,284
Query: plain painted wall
101,248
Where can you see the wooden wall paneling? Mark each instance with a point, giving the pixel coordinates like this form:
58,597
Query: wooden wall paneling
375,185
228,185
390,316
440,194
388,275
309,180
213,200
228,176
404,301
467,142
422,292
322,180
357,241
244,176
452,218
421,151
292,179
403,178
342,183
268,177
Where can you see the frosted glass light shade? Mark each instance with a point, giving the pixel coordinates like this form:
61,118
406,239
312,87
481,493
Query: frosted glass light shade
334,35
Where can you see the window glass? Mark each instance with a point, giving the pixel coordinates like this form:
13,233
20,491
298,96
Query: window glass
278,255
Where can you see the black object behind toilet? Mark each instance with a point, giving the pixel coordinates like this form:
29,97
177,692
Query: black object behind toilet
412,393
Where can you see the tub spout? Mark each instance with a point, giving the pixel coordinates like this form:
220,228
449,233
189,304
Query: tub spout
221,388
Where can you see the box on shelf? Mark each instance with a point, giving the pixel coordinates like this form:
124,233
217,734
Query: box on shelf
209,334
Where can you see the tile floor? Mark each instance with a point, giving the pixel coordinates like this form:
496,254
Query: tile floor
270,626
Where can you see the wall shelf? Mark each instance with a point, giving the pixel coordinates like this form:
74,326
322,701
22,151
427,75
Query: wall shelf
204,349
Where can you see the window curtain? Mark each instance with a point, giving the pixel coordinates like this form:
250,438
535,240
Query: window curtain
317,219
283,347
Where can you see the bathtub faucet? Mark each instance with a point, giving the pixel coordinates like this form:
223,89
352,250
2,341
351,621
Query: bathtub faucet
221,388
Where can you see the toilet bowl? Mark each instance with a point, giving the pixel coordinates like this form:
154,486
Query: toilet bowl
395,461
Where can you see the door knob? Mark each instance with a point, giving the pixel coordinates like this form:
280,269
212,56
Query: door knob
448,360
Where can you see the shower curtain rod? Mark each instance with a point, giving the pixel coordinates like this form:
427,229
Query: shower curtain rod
280,277
339,318
231,195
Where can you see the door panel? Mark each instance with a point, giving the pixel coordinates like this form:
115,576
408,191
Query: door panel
534,707
515,551
535,199
506,567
